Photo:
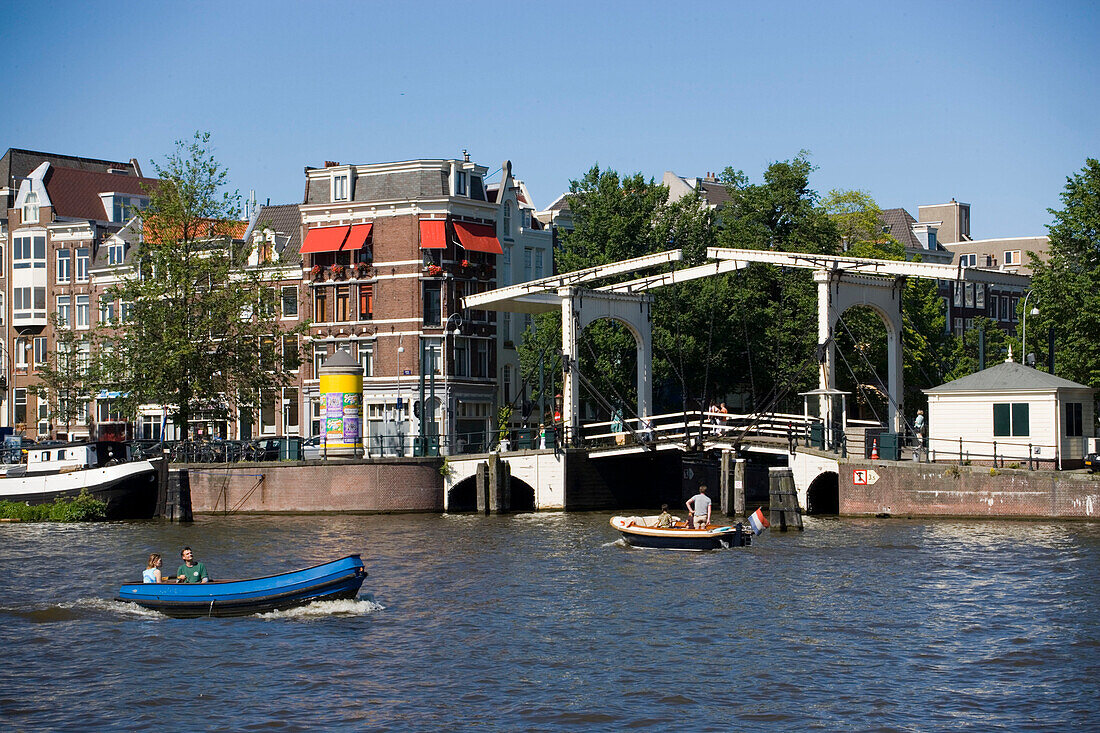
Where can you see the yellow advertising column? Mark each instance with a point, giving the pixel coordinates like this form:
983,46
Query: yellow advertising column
342,405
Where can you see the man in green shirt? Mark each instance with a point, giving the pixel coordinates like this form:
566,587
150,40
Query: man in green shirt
191,571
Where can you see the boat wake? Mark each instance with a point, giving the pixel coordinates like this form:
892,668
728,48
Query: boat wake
82,608
327,609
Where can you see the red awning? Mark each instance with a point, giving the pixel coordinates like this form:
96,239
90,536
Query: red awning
324,239
478,237
433,234
358,236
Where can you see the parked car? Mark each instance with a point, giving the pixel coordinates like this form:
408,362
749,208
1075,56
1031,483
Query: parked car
312,448
1092,462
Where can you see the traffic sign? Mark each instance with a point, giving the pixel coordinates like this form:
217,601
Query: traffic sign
859,476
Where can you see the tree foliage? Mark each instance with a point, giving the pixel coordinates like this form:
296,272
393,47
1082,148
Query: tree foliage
1067,286
202,331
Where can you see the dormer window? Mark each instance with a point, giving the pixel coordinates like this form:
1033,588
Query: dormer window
340,187
116,252
124,208
460,183
30,208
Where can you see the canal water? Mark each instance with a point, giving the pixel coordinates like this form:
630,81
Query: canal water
546,622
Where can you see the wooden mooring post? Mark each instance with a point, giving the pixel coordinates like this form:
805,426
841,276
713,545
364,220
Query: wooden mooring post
783,500
732,485
177,496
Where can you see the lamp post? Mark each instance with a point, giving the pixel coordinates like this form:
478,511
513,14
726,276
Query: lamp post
1023,335
457,318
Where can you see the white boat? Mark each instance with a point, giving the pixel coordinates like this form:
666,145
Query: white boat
103,469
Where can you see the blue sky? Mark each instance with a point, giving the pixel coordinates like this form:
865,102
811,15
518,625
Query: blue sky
993,104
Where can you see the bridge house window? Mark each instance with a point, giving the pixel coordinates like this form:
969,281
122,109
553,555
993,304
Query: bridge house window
1011,420
1074,423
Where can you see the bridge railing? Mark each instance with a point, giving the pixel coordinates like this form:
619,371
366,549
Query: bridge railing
682,426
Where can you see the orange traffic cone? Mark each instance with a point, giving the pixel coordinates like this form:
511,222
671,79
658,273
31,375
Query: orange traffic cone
874,450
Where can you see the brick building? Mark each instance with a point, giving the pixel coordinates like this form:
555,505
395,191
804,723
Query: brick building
388,250
60,212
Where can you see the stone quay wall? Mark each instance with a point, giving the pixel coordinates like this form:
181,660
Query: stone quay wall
379,485
937,489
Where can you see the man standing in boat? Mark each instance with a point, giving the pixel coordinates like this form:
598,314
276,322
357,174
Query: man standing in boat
191,571
699,507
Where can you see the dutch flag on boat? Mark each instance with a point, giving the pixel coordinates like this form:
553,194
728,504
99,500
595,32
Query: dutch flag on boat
758,521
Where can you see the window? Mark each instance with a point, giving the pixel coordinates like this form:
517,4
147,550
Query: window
1013,312
994,307
506,328
460,183
124,208
106,311
528,263
970,260
267,412
970,295
64,266
342,303
82,255
290,411
461,359
1012,257
83,306
22,346
20,250
506,384
268,302
432,304
320,305
291,356
958,327
340,188
1004,307
506,228
433,356
290,301
366,358
1074,424
30,208
124,311
931,239
1011,419
480,358
538,264
116,252
366,302
979,293
20,406
43,414
320,353
40,352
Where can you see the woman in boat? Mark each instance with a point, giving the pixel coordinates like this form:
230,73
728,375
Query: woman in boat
151,574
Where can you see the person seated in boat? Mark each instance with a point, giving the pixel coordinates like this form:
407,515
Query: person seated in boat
191,571
151,574
665,520
699,509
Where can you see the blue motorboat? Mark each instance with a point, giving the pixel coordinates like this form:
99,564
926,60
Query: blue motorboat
339,579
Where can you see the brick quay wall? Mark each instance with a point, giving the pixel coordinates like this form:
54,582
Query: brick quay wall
379,485
938,489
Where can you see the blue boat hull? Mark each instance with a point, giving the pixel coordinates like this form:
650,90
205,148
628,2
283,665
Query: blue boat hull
340,579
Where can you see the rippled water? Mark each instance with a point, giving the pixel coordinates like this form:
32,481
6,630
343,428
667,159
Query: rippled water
547,622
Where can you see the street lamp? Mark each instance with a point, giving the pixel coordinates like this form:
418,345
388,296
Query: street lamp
457,318
1023,335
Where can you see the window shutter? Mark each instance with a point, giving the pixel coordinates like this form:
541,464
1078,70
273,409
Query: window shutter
1001,420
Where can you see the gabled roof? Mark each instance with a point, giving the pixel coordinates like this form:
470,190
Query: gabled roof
75,193
286,221
1008,376
714,193
898,223
17,163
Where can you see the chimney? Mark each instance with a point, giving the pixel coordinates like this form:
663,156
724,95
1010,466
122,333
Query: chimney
465,155
331,163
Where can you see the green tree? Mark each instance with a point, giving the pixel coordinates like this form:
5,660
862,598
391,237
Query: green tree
65,379
856,216
202,326
1067,286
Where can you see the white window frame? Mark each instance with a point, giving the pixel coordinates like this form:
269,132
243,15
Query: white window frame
82,263
30,208
340,186
82,310
1012,257
64,265
116,253
283,301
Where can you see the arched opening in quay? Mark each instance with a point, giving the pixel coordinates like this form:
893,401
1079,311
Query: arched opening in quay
523,496
823,496
463,496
